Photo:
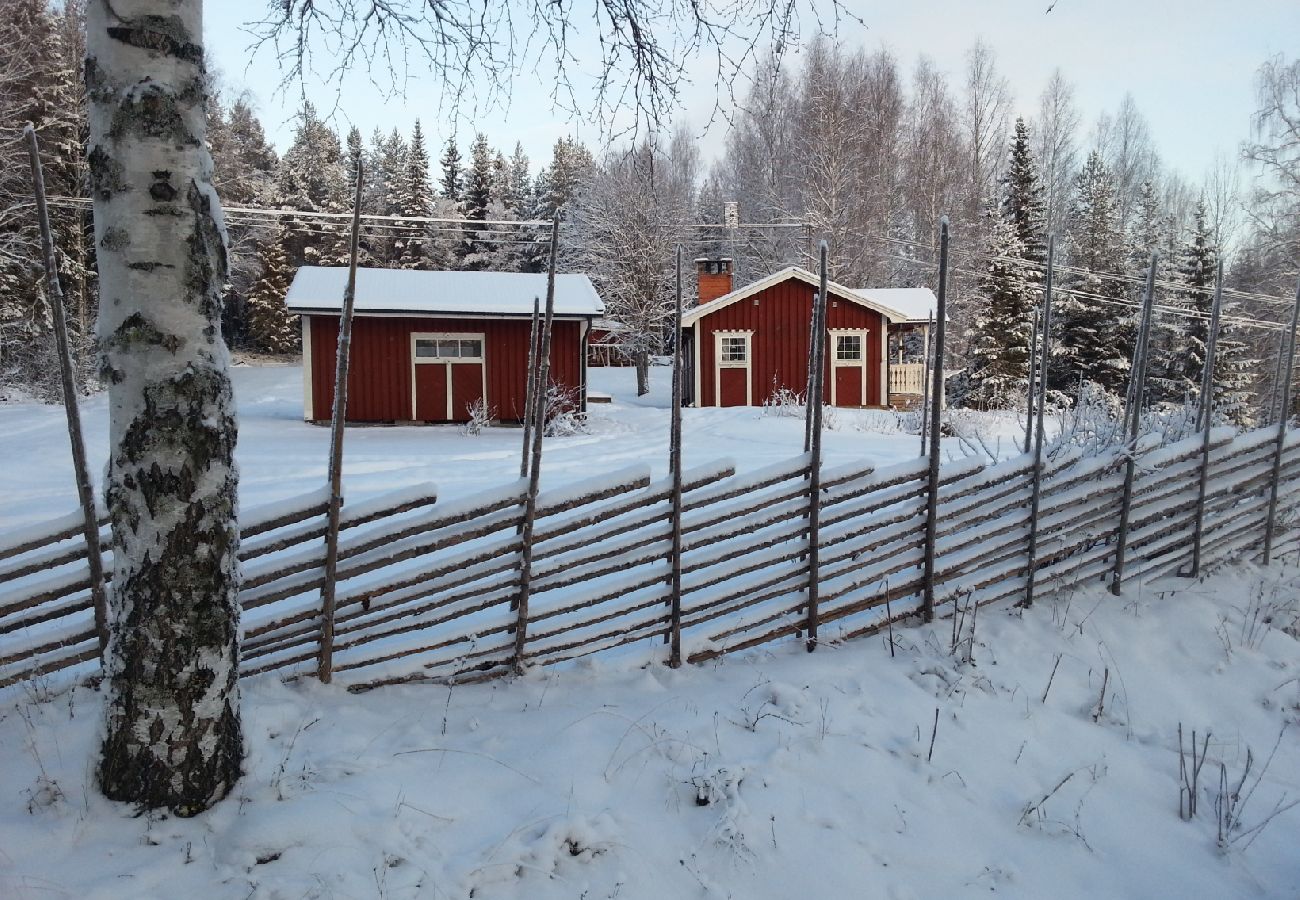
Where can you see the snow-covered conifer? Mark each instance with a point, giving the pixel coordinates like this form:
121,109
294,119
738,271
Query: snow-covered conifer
271,328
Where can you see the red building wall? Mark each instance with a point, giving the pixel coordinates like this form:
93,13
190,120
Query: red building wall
379,374
779,345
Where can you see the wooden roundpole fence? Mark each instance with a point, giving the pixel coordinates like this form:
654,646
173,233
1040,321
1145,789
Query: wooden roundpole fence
535,466
675,469
816,377
936,413
1205,419
81,470
1040,403
325,656
1137,389
1288,375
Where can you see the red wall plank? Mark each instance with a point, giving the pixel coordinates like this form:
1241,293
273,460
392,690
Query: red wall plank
379,375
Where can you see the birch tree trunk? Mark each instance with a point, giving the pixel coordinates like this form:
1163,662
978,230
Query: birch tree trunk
173,732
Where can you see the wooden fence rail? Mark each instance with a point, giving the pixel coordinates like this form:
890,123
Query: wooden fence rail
427,590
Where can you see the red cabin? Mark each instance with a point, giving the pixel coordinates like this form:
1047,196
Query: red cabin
743,346
426,346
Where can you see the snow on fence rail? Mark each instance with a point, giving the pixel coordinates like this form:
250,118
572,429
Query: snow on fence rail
427,590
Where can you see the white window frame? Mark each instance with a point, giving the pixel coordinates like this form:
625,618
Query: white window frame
863,335
448,361
718,364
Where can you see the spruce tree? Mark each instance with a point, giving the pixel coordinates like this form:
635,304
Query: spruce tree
1184,366
313,177
417,200
1022,202
1094,339
1000,343
271,328
449,185
478,251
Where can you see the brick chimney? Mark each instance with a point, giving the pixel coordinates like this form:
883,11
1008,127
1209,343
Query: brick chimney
714,277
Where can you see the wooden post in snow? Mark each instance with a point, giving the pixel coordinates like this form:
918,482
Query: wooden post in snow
1136,391
534,335
535,466
1031,383
81,471
936,412
325,656
1038,407
815,446
675,469
925,382
1205,415
1288,374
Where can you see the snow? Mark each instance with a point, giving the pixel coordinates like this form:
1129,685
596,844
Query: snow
915,304
767,774
319,289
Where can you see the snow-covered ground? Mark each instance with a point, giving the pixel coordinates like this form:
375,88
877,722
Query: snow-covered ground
770,774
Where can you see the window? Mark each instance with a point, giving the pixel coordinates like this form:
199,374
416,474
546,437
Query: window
443,348
848,347
734,348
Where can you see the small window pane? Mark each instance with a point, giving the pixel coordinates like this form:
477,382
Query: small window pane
471,349
848,347
425,348
449,349
733,349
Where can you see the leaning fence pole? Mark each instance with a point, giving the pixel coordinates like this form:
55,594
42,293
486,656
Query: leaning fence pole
1137,389
675,469
925,381
815,325
85,492
936,412
1205,418
325,659
535,467
1277,380
530,385
815,391
1040,403
1288,375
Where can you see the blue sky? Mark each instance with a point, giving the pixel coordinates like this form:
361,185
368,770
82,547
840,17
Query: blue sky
1189,63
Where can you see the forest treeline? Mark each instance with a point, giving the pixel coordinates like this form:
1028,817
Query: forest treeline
849,145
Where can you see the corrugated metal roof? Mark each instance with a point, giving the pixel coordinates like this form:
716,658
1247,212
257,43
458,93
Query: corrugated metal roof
320,289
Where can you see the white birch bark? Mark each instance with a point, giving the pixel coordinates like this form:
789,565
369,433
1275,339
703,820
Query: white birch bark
173,735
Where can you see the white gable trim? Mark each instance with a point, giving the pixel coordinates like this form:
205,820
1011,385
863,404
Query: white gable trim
749,290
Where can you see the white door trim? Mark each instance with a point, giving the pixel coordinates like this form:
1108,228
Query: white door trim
448,362
836,363
719,365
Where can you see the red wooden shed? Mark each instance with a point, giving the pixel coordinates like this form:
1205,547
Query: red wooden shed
427,345
745,345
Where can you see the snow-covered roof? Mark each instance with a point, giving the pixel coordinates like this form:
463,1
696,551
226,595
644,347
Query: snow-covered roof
916,304
319,289
868,300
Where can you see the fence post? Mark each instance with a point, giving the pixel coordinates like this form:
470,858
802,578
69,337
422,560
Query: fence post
535,468
818,340
530,387
1041,387
925,381
1033,364
325,657
1288,374
675,468
81,471
1137,389
936,413
1205,419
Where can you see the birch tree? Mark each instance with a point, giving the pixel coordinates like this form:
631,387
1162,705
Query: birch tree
173,738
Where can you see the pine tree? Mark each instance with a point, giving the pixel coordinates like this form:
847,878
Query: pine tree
271,328
417,200
1094,341
449,185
